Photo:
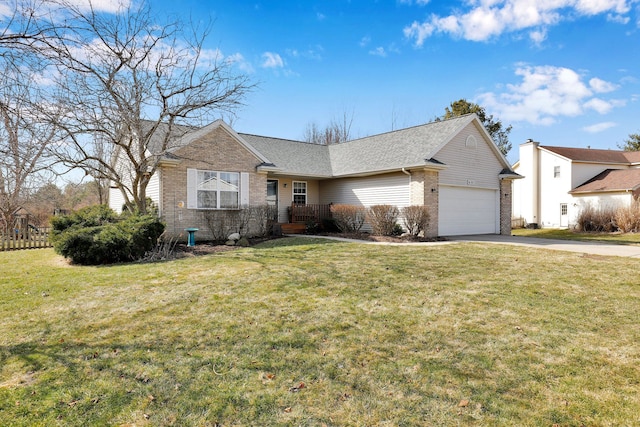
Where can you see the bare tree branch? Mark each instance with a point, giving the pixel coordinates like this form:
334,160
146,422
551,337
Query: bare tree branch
25,138
129,86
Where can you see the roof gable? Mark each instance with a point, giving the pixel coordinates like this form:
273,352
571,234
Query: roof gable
405,148
190,137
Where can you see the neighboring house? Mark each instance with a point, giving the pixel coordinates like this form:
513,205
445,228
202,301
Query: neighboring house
451,166
560,181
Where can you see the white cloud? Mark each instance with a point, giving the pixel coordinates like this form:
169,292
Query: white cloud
618,19
599,105
5,10
546,93
379,51
272,60
418,2
365,41
111,6
487,19
320,16
239,60
538,36
599,127
313,52
601,86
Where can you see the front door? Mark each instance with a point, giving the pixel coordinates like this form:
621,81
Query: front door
564,215
272,196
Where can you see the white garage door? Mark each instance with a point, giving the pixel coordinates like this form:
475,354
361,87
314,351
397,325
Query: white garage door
463,210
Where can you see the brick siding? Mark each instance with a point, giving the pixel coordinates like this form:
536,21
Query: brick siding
217,151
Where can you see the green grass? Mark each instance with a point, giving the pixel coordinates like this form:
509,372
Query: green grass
447,335
565,234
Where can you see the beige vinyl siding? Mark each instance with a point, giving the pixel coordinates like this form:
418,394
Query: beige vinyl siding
387,189
469,166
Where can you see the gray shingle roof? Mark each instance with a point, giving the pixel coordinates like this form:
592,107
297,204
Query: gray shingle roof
395,150
405,148
391,151
292,157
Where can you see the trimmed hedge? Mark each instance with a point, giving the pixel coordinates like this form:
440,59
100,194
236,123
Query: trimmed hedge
97,235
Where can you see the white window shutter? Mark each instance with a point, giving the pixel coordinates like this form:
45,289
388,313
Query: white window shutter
244,189
192,189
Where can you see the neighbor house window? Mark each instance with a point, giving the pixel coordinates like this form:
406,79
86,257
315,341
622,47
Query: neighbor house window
218,190
556,171
563,209
299,192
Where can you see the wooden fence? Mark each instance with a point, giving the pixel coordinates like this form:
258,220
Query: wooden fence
29,238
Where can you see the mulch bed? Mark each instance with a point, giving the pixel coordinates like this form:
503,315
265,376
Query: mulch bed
388,239
206,248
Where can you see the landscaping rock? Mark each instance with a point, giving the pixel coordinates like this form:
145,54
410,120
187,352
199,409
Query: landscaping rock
230,242
244,242
235,237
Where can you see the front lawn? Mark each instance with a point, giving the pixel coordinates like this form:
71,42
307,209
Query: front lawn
565,234
309,332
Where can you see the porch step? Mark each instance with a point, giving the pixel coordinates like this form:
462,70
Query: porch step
293,228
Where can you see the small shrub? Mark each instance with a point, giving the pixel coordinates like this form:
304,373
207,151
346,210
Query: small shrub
330,225
249,221
312,227
416,219
264,216
164,249
220,223
383,219
348,218
90,216
600,220
95,236
627,218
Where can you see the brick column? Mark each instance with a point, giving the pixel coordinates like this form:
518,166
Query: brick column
505,206
431,200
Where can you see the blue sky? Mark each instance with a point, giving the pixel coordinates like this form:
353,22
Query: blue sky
562,72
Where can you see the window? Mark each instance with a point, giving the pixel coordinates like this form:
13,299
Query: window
563,209
471,142
299,193
556,171
218,190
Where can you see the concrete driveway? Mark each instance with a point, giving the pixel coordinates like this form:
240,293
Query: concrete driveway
558,245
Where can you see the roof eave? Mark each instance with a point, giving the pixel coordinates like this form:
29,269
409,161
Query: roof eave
170,162
507,173
428,166
608,190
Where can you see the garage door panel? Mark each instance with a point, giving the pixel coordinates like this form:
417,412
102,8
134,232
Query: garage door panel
463,210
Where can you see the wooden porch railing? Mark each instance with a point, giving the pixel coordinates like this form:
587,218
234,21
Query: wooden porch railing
309,213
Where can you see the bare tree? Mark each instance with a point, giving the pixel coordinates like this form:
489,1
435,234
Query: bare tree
25,140
336,132
130,86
